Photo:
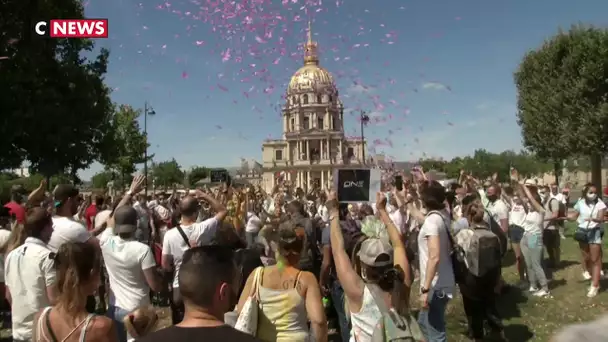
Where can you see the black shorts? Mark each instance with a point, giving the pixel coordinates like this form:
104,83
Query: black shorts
551,238
516,233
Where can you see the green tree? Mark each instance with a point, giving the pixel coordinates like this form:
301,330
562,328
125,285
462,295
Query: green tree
53,98
562,97
125,145
196,174
167,173
101,179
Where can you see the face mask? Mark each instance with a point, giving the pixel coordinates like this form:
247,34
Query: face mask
591,197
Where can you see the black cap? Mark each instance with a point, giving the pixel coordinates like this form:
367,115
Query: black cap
125,219
64,192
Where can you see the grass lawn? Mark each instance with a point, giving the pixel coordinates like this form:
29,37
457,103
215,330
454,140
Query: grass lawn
528,318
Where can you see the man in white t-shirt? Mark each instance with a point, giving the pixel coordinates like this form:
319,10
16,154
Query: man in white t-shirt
65,228
497,207
30,275
131,269
187,234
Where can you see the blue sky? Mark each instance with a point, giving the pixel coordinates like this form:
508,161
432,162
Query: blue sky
437,75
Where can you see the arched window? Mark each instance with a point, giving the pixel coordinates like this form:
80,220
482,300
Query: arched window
330,98
319,99
305,98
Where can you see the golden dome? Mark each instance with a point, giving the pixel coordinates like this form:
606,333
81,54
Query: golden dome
311,77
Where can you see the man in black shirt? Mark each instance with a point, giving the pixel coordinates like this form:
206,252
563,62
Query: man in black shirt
208,281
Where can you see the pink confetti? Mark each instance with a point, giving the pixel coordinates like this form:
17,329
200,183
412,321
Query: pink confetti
184,75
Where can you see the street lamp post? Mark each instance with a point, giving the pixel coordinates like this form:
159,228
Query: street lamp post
364,118
147,111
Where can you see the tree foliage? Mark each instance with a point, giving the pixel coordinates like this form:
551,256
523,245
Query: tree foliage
167,173
196,174
563,96
55,107
101,179
483,164
125,144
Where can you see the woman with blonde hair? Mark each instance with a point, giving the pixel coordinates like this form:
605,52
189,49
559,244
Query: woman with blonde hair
78,267
289,298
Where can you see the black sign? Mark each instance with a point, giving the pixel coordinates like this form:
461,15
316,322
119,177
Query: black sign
218,176
353,185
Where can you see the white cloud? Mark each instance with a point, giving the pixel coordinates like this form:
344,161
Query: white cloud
434,86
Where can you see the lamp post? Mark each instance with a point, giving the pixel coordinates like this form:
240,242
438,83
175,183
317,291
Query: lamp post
147,111
364,118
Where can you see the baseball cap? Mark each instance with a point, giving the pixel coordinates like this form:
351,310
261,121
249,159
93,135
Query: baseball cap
376,253
64,192
125,219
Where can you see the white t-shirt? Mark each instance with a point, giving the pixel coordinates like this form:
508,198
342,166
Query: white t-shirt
174,244
498,209
253,223
66,229
323,213
106,235
4,236
435,225
517,215
533,222
399,220
125,262
586,211
28,272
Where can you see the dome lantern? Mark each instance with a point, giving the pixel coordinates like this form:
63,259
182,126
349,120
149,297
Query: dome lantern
311,78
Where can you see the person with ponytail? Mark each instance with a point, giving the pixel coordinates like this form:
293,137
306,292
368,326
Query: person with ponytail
78,267
378,263
289,298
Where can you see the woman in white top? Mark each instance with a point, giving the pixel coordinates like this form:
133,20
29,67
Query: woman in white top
517,216
532,240
589,215
375,266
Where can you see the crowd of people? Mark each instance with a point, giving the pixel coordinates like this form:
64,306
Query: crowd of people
236,263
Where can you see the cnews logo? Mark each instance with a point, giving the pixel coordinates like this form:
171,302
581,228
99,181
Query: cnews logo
72,28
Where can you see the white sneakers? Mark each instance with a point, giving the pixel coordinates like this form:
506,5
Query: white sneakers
539,293
593,291
587,275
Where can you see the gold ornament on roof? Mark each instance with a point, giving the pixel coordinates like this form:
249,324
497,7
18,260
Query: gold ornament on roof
311,77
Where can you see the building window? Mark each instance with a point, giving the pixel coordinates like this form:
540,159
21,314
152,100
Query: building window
320,123
292,124
306,99
278,155
350,152
319,99
306,123
330,98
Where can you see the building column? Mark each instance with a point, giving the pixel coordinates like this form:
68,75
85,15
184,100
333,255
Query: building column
307,143
328,148
321,148
308,186
285,124
322,179
341,151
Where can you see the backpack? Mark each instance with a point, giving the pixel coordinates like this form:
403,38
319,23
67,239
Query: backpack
484,252
497,230
392,327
